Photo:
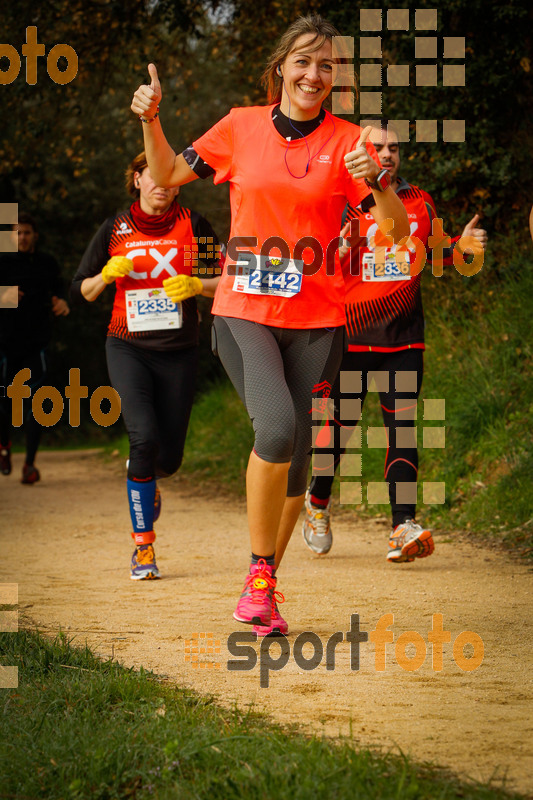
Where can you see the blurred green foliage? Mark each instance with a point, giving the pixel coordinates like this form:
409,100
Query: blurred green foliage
490,172
64,148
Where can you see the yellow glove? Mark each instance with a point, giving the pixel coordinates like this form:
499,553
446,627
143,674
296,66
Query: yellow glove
116,267
180,287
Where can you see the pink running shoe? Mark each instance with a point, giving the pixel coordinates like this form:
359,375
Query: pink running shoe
255,604
278,626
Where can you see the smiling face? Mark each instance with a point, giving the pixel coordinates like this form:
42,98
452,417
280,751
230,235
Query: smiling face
307,78
153,199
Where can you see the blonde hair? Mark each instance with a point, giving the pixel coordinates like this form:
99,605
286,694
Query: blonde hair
312,24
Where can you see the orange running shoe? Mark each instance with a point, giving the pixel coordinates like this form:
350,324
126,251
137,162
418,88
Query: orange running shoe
143,566
408,541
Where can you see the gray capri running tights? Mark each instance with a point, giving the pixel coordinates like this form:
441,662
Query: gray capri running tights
278,372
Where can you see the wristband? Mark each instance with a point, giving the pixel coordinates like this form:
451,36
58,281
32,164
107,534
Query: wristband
381,182
148,120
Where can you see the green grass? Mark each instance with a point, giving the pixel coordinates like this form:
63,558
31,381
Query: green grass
79,728
479,358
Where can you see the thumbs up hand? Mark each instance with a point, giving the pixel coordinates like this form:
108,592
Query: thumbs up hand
471,229
146,99
359,162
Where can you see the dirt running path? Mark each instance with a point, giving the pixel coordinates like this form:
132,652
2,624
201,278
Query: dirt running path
67,545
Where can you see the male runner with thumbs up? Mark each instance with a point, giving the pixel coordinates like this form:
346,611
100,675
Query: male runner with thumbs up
385,326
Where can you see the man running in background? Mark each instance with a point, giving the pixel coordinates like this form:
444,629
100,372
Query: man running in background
30,287
385,328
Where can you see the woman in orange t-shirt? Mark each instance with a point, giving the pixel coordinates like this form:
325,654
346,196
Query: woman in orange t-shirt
279,307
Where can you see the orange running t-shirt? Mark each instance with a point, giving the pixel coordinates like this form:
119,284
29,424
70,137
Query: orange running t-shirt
155,256
269,198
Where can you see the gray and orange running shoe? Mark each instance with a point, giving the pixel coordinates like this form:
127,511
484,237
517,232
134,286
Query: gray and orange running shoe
316,528
408,541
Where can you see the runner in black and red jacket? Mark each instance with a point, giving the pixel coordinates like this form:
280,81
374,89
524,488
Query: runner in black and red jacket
150,253
385,327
